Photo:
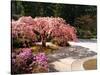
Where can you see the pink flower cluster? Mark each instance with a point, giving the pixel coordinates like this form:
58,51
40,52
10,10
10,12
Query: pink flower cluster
23,28
27,62
41,59
25,54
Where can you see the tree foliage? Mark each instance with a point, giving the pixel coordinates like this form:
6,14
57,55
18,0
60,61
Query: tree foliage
26,29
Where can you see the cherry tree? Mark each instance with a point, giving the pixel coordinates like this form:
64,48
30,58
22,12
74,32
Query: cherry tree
56,28
45,27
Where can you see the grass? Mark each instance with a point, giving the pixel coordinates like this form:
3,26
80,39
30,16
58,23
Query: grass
47,49
90,64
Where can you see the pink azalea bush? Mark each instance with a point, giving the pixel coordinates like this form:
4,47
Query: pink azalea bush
27,62
41,59
28,29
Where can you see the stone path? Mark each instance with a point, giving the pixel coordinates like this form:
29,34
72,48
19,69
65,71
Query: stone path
78,64
72,58
63,64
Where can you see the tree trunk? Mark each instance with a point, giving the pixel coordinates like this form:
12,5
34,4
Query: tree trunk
43,43
43,40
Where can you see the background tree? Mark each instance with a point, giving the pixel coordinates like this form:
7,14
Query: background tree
17,9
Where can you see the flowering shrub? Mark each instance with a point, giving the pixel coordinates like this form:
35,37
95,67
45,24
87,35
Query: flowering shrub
22,32
26,29
27,62
41,59
41,64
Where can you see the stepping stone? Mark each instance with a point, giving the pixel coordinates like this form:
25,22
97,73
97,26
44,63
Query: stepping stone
63,65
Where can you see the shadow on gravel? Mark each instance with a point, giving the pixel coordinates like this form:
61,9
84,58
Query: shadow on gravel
52,69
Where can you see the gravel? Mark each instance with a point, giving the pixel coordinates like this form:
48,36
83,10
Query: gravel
75,52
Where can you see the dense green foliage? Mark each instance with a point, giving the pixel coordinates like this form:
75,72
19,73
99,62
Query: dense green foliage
83,17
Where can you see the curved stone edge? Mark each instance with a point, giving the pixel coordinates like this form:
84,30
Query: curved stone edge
78,64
